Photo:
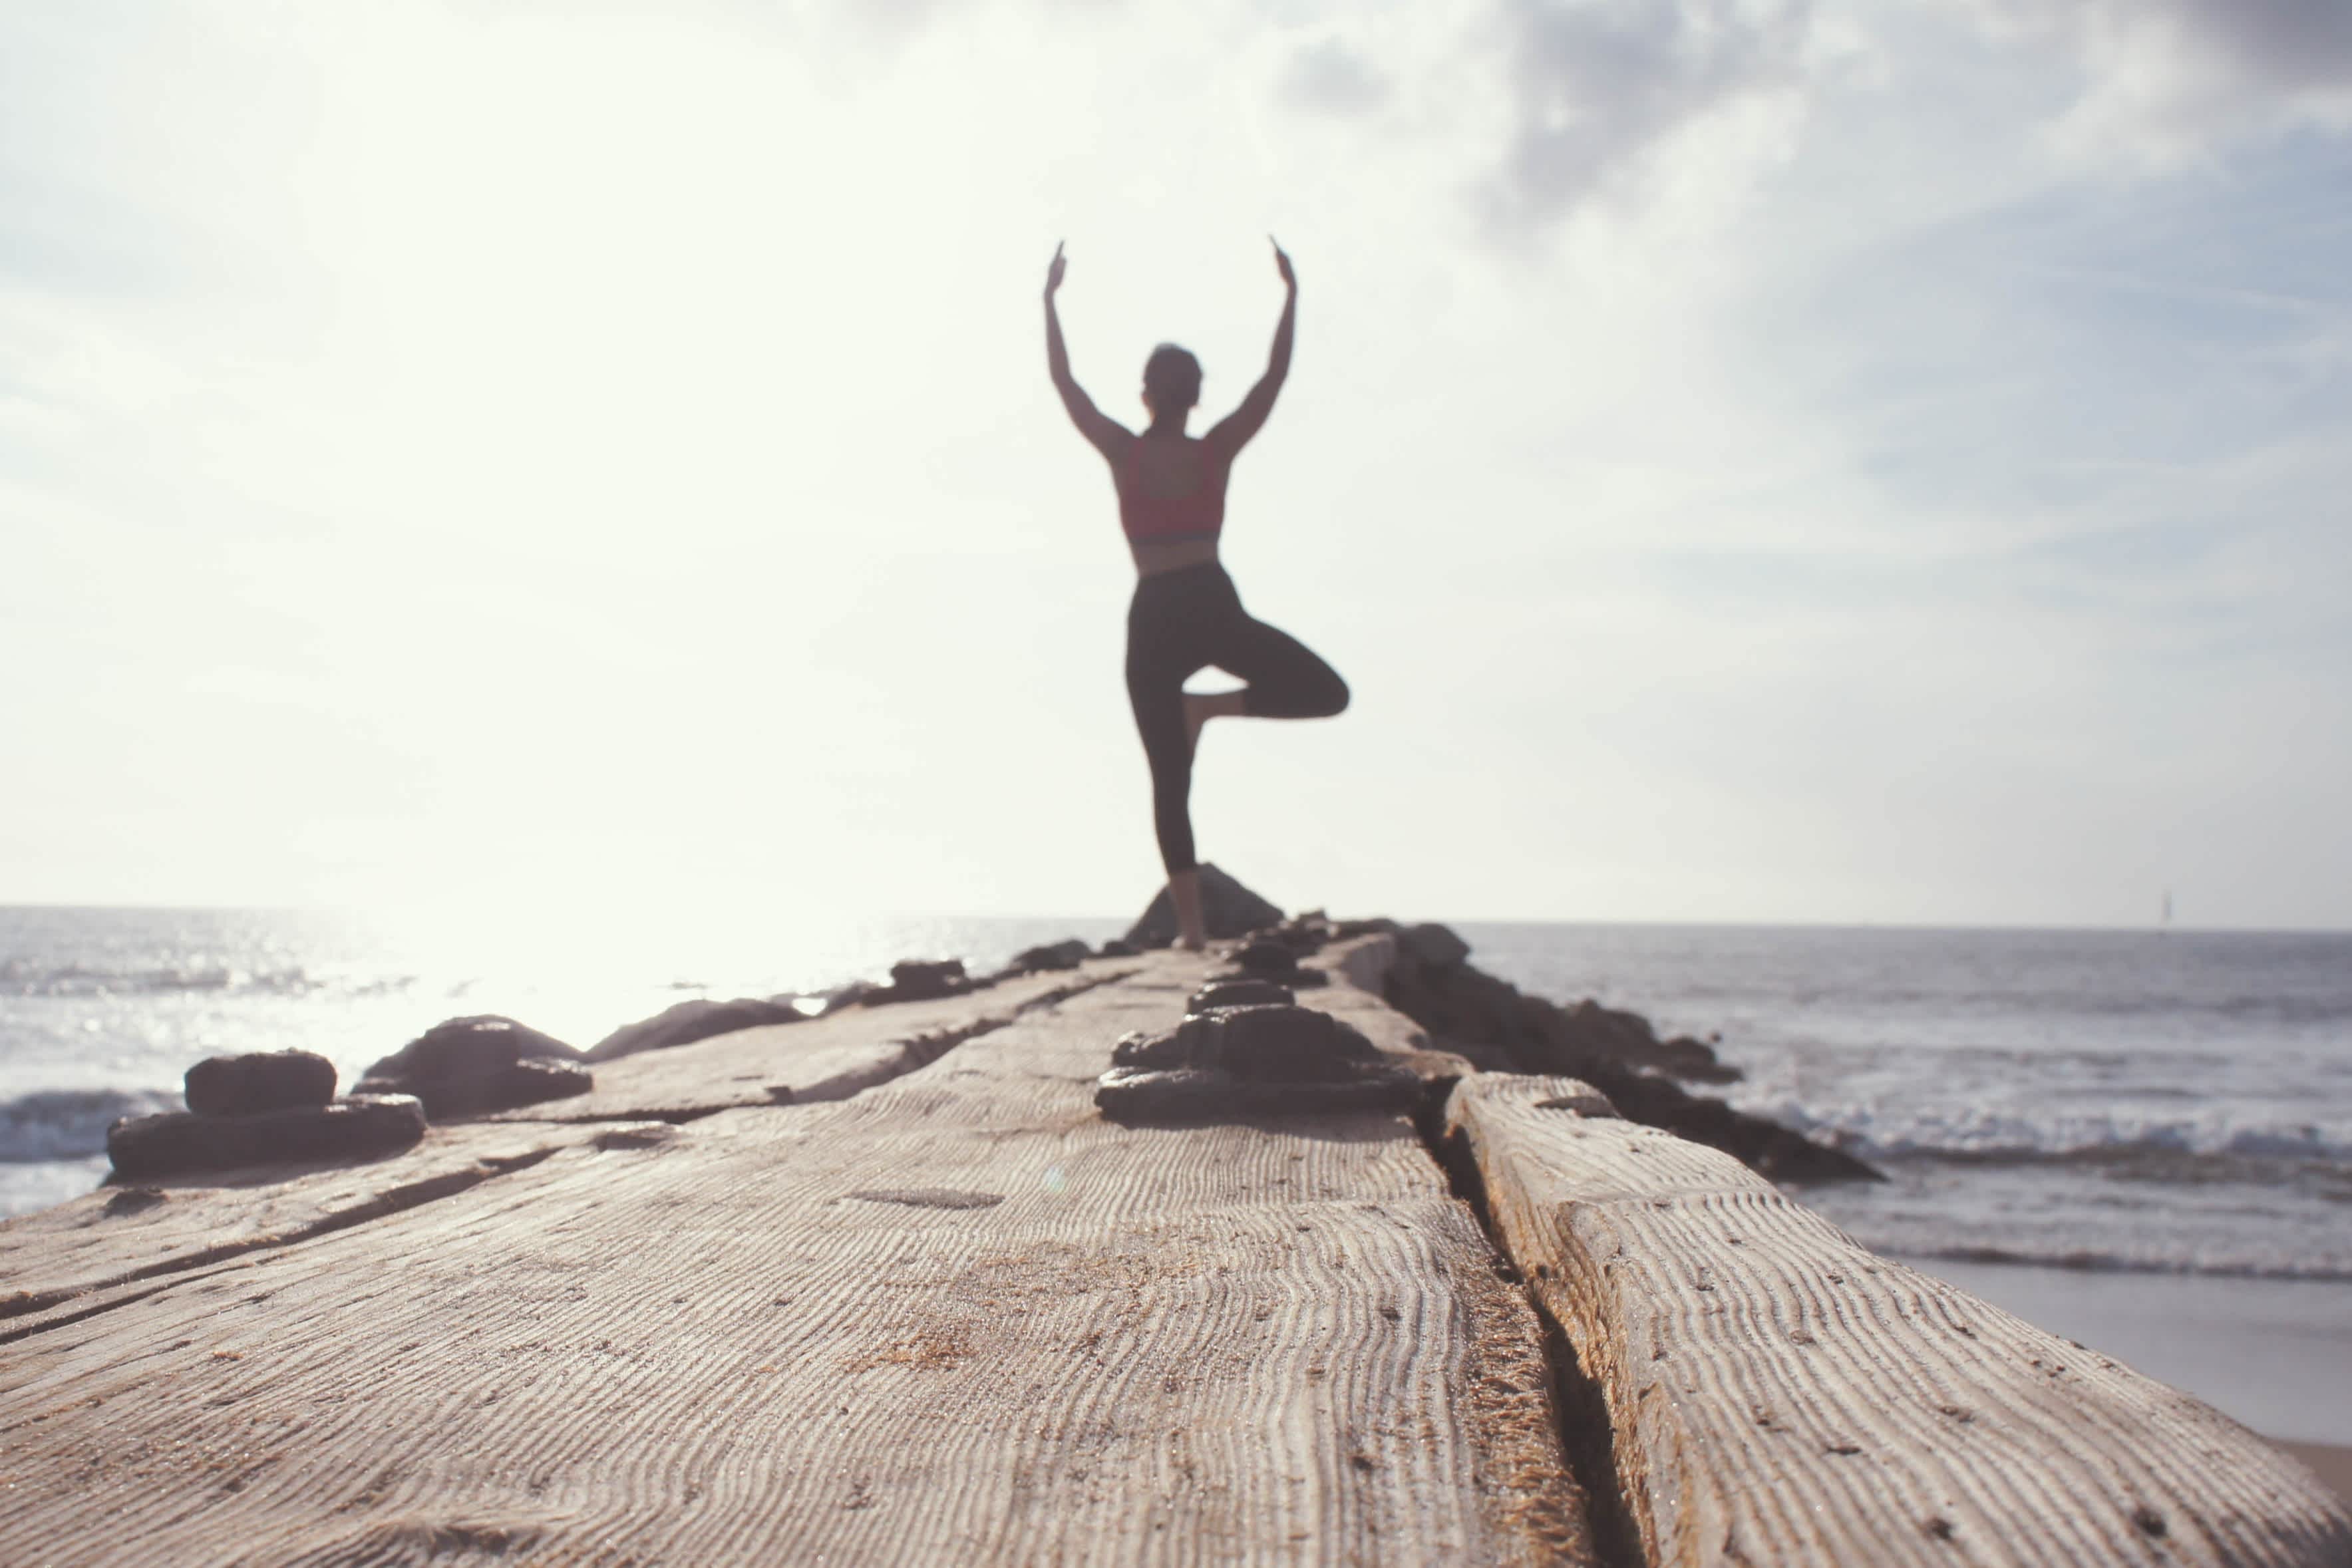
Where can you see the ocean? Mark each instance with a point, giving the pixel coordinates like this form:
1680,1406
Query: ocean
101,1011
2168,1103
2066,1117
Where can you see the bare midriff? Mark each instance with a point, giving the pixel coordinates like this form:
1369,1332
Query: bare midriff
1155,556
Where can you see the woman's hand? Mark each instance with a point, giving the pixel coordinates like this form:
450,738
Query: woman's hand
1281,265
1054,273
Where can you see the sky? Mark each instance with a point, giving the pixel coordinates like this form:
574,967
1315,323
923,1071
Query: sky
1852,461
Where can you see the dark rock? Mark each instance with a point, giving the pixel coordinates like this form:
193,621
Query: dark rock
927,979
456,1047
1067,954
1616,1052
1117,947
1694,1062
1244,993
259,1080
685,1022
525,1082
1231,1062
1434,946
1481,1055
467,1066
1273,961
1590,1029
920,980
182,1143
1227,908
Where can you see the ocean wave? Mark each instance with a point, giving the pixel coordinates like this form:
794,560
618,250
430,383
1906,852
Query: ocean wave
2249,1156
2090,1260
19,978
71,1123
1984,1137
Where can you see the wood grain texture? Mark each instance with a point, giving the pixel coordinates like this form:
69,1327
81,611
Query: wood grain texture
111,1238
1778,1394
117,1237
804,1333
829,1058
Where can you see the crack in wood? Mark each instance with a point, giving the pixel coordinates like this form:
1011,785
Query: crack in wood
1580,1411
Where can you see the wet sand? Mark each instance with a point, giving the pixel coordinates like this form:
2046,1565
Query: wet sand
2328,1462
2274,1354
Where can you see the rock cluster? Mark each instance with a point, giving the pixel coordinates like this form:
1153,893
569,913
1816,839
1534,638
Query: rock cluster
467,1066
1500,1029
1227,1062
1496,1028
1227,908
262,1108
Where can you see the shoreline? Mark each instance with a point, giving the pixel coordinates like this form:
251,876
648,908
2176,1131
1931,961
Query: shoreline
2275,1355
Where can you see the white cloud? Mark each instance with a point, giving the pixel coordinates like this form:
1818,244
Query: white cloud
606,453
1329,77
1606,87
2170,79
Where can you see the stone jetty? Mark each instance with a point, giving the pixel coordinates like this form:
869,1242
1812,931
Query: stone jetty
888,1286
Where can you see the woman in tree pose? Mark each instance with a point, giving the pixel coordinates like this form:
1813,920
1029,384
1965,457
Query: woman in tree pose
1185,616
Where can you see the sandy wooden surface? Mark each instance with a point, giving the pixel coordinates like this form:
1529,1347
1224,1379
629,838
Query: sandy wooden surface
957,1318
1780,1394
830,1058
114,1238
885,1288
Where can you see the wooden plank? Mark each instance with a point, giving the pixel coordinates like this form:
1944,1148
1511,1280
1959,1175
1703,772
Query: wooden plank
959,1318
829,1058
1781,1394
105,1239
117,1237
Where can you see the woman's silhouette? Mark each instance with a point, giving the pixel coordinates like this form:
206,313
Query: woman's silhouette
1185,616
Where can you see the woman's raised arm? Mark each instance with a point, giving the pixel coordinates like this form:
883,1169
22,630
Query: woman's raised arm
1234,430
1093,424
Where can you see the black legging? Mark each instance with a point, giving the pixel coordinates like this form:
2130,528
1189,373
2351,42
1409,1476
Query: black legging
1184,621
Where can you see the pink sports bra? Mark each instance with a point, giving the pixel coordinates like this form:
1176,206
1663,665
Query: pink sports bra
1171,493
